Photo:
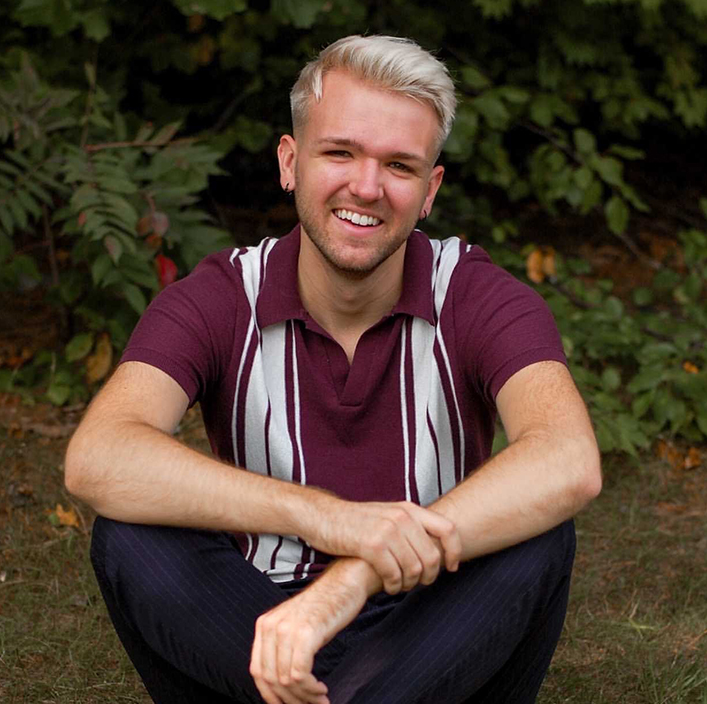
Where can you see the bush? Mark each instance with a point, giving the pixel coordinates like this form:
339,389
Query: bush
557,103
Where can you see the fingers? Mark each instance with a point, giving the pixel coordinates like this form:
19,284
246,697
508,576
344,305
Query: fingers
281,663
411,546
446,532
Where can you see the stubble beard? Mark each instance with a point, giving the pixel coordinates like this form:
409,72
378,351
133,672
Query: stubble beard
356,271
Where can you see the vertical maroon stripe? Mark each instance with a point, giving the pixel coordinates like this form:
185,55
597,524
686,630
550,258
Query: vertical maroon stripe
410,410
263,247
267,439
253,547
240,458
273,559
451,412
433,435
306,558
434,287
290,403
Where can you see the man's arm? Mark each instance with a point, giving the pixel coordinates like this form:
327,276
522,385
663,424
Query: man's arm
549,471
124,462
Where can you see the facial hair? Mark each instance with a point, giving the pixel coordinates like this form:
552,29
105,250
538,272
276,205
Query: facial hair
317,233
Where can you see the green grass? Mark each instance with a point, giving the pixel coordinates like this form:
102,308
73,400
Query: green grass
636,630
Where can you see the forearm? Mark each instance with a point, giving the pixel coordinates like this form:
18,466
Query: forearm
132,472
528,488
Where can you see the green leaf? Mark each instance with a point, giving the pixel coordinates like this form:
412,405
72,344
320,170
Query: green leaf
513,94
78,346
611,379
100,267
609,169
58,394
96,26
641,404
613,307
301,13
642,296
490,105
71,287
135,297
617,214
585,141
166,133
541,110
701,420
218,9
253,135
605,436
472,77
7,222
629,153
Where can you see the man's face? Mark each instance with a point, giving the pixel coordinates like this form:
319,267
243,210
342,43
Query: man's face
363,171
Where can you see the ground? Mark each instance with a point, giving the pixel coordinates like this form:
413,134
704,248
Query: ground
636,631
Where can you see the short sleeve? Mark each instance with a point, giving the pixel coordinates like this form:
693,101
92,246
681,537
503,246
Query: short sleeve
187,330
506,324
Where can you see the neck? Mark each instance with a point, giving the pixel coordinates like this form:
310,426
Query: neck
347,305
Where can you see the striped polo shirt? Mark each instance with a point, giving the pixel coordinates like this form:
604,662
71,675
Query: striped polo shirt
409,417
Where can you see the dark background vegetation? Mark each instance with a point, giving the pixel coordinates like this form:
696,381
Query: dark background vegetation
136,137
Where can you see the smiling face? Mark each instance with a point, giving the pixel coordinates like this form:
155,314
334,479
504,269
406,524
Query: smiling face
363,172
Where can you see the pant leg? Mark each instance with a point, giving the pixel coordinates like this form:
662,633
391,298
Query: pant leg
484,634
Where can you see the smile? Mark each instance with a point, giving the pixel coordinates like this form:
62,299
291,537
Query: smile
357,218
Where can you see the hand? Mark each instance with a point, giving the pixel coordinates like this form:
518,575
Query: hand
288,636
403,542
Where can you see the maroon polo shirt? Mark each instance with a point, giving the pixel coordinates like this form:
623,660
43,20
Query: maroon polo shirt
406,420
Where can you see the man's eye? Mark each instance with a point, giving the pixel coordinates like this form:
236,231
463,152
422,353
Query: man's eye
338,152
399,166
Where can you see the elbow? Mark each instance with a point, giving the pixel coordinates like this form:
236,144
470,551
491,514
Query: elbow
76,468
589,477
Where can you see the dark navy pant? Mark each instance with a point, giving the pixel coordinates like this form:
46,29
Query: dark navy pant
184,604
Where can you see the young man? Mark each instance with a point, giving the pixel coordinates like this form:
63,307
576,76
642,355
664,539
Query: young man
372,552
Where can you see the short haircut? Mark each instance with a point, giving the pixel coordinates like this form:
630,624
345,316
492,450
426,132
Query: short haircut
395,64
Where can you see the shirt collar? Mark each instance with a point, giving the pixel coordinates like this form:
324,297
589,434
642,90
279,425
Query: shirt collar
279,297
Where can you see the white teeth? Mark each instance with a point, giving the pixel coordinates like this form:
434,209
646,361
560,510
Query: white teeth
357,218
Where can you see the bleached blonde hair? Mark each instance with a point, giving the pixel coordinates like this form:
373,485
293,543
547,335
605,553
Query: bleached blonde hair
395,64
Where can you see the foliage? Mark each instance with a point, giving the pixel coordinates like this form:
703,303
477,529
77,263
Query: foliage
120,212
559,104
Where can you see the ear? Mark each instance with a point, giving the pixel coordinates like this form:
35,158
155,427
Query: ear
435,181
287,158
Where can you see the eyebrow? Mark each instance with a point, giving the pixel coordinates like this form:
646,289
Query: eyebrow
345,142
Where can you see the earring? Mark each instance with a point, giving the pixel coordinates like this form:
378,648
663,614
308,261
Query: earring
287,189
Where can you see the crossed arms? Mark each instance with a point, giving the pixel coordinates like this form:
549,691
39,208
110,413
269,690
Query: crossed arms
124,462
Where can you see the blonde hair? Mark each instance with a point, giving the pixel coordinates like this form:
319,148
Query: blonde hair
395,64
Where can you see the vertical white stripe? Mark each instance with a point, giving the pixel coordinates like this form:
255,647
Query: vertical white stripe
297,408
404,411
429,392
426,390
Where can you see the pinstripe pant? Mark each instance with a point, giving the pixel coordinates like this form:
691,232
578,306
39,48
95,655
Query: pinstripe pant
184,604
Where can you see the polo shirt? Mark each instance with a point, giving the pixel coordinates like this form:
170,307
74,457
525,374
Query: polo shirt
408,419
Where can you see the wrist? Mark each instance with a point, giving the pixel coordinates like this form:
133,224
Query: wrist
356,575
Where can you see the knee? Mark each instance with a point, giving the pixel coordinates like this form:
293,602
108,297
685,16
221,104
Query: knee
546,559
132,559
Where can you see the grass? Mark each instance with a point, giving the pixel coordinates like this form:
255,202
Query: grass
636,630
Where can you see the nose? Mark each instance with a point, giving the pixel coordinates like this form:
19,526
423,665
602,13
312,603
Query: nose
366,181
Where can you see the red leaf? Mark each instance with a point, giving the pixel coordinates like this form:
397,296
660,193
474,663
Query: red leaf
166,270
